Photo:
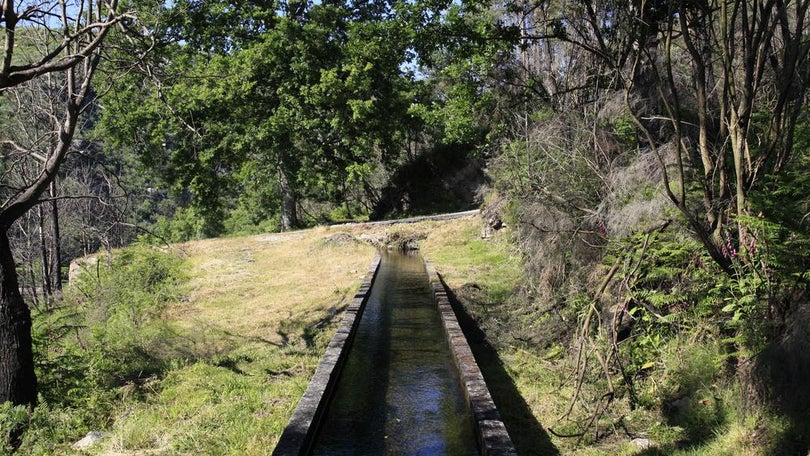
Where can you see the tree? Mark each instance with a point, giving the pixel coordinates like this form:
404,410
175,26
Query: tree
694,113
733,111
312,98
62,40
722,83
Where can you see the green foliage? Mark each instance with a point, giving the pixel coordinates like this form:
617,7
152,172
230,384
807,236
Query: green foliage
626,131
53,426
315,93
654,269
257,208
672,286
243,221
691,393
689,322
202,408
184,225
106,333
127,300
782,206
12,418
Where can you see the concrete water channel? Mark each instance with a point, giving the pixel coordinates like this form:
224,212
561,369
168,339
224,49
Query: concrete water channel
398,378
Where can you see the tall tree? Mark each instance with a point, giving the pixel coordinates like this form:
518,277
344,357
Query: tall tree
733,111
722,82
63,39
311,98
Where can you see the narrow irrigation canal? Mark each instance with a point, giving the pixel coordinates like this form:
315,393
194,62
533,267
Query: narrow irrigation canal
399,392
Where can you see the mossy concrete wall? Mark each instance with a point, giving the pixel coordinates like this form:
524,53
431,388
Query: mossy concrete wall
493,439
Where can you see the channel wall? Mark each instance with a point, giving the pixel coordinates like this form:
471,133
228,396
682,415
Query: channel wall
299,434
493,439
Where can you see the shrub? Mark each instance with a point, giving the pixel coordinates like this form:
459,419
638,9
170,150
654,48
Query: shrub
104,334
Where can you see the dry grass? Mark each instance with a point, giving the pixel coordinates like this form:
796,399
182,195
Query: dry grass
257,315
250,285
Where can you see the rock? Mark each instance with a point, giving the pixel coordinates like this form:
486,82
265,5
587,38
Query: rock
642,444
409,244
89,440
676,406
376,241
404,242
339,239
80,265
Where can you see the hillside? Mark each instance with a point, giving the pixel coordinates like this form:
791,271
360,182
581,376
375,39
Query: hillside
205,348
222,361
646,291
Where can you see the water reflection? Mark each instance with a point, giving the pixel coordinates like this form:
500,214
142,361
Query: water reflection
399,392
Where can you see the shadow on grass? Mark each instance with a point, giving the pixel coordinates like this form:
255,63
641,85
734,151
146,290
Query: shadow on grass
780,379
527,434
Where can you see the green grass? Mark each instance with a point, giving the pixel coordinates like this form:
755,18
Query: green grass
217,364
235,405
204,355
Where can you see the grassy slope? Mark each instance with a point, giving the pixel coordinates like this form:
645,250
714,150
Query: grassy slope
260,310
257,314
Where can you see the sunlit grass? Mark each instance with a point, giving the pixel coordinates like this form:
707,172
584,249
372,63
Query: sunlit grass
257,312
256,315
236,405
249,286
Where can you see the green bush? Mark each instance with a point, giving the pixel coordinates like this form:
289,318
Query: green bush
241,221
12,418
102,338
126,304
186,224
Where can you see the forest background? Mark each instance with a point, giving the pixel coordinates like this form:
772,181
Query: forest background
650,159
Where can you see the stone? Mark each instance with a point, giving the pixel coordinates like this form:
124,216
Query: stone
340,239
643,444
80,265
89,440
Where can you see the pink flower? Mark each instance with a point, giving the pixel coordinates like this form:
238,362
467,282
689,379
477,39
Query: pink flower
602,228
728,250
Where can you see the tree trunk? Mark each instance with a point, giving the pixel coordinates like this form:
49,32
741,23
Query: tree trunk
77,57
18,382
45,258
56,246
289,216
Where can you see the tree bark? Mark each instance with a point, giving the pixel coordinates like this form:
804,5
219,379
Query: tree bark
45,258
18,381
56,246
289,216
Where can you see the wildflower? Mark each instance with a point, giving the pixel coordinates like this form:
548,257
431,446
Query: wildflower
729,249
602,228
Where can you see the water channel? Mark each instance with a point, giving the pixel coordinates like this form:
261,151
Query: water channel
399,392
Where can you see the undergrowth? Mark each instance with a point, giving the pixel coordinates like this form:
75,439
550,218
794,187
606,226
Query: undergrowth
128,353
104,335
663,360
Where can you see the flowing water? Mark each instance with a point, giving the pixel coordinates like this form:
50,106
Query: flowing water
399,392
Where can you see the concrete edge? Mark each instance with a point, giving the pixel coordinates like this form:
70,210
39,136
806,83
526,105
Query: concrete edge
420,218
493,439
298,436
